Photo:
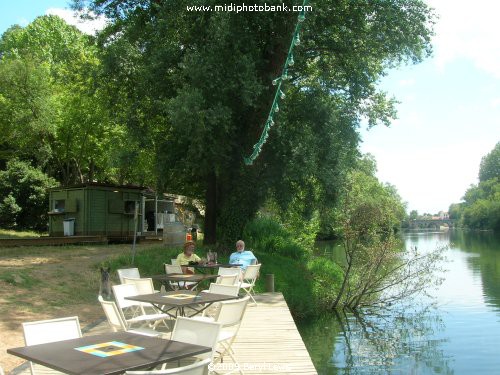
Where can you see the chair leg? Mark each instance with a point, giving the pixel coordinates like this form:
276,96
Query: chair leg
249,292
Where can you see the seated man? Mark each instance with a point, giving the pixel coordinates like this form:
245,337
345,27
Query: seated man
187,256
242,256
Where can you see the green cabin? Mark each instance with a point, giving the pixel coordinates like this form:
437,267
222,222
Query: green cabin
97,209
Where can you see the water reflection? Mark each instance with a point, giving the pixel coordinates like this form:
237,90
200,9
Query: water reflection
484,260
459,337
377,343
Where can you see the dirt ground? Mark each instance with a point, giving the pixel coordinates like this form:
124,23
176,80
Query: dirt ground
47,283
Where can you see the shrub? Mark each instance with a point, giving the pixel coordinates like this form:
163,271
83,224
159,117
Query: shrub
9,210
27,186
268,236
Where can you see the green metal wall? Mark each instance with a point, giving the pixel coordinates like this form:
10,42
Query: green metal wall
97,211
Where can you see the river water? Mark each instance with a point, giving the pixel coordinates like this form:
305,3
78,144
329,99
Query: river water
459,335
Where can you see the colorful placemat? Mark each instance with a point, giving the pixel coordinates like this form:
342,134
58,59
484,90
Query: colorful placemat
108,349
180,296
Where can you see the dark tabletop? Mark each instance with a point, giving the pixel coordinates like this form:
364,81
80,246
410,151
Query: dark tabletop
183,277
191,298
63,356
216,265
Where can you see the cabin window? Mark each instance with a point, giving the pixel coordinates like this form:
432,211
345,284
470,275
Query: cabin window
129,207
59,205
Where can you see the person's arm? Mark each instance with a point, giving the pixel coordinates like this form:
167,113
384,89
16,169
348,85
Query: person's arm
255,260
197,258
232,259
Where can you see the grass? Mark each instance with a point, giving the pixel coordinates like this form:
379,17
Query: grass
9,233
21,279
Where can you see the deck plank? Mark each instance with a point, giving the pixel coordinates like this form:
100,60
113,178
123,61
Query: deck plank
268,341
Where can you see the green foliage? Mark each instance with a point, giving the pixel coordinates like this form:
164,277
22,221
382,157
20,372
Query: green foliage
480,208
26,190
269,236
9,210
293,279
490,165
367,216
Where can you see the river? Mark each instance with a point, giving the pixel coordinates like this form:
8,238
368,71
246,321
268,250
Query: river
459,335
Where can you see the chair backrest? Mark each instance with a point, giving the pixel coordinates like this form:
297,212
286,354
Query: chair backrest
128,272
197,368
44,331
113,315
170,268
174,262
125,290
197,332
225,271
1,371
230,313
228,290
144,285
227,279
251,273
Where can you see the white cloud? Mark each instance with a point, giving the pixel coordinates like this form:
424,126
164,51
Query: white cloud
468,30
407,82
85,26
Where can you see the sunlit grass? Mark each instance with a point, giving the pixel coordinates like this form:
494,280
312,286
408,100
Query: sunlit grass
9,233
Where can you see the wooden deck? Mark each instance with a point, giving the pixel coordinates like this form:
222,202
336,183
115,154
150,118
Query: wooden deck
268,341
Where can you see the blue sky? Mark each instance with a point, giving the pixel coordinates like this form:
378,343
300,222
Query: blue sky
449,115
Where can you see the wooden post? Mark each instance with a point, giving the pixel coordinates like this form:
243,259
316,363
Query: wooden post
270,282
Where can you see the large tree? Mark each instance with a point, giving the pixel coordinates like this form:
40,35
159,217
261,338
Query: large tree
49,101
195,89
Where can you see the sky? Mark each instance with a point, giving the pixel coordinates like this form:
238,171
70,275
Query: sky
449,111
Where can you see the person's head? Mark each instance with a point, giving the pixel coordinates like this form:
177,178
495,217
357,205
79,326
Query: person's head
189,248
240,246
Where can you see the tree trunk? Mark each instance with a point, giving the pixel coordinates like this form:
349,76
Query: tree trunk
210,236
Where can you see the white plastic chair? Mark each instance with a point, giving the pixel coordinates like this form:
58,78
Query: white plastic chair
117,321
228,290
128,272
45,331
144,285
138,314
191,331
197,332
224,271
172,268
177,269
249,277
198,368
174,262
230,314
228,279
1,371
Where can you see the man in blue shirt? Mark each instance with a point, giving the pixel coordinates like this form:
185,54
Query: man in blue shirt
242,256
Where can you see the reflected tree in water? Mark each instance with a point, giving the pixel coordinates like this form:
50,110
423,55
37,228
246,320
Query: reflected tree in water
390,342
